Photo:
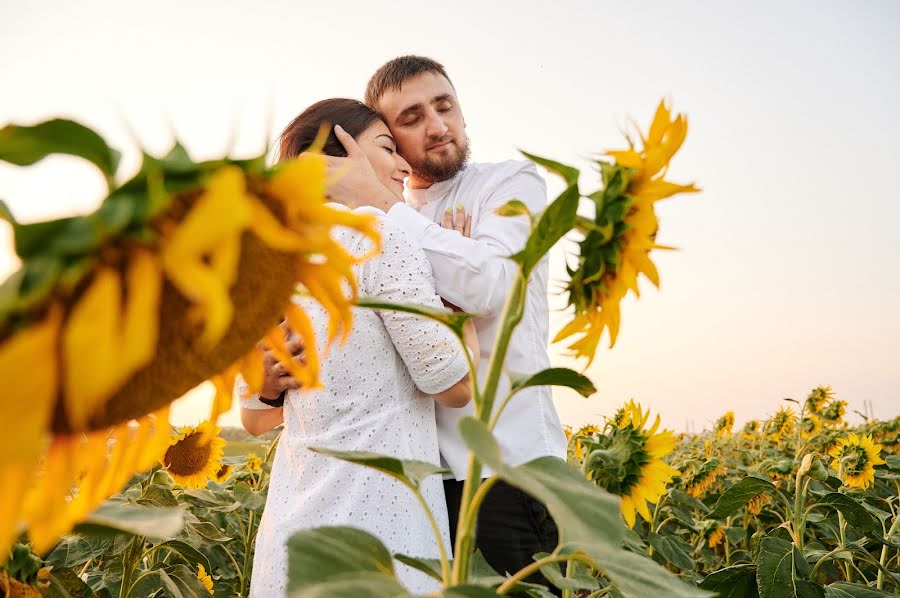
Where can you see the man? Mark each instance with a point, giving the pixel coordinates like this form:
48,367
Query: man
417,100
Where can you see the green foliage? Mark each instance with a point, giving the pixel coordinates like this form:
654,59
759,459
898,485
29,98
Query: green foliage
23,146
556,377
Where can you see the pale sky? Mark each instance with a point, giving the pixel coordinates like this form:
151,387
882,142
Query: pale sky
786,276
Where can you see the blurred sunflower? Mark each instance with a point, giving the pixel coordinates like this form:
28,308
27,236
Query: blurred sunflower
584,433
781,424
616,247
698,483
754,507
254,463
629,461
855,458
817,399
223,474
810,426
204,579
713,533
834,412
750,430
191,459
724,424
142,294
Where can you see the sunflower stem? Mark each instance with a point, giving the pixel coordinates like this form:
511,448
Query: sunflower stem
884,551
442,550
530,569
464,544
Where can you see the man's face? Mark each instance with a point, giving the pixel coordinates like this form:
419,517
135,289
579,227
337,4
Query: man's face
427,123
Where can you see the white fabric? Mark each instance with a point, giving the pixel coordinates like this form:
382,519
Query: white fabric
372,400
476,275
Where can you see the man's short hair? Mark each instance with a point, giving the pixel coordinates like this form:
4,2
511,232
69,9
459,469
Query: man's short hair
394,72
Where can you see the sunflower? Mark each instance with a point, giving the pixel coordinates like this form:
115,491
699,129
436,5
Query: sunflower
630,463
191,459
754,507
254,463
750,430
855,458
834,412
781,424
205,579
584,433
705,476
817,399
142,294
810,426
724,424
713,533
223,474
616,247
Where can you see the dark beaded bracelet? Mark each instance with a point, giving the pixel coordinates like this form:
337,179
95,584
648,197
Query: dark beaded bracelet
279,402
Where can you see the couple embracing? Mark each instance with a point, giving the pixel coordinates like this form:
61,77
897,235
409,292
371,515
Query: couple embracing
400,384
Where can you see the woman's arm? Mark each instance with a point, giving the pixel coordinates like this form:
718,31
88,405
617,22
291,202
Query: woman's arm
460,393
260,421
431,352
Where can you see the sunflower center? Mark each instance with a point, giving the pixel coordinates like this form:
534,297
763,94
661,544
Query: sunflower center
856,464
188,456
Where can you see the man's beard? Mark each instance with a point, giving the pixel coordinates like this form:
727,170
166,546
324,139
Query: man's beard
435,171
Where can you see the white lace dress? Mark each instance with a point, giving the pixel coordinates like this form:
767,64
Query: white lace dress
373,400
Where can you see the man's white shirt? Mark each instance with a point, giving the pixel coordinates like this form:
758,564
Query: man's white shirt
476,275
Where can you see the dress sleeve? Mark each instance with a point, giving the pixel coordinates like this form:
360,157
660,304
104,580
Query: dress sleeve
401,273
247,400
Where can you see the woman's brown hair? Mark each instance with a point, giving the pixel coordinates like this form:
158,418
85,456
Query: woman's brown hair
353,116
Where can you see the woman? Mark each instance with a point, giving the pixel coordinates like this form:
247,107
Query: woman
379,388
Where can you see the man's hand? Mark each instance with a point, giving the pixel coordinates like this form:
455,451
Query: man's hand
277,379
355,183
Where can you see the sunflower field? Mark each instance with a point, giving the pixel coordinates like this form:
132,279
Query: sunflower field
179,274
799,504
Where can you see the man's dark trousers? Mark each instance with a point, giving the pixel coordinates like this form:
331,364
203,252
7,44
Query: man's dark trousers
512,526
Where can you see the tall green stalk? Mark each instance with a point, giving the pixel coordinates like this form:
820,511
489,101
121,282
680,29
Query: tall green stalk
464,544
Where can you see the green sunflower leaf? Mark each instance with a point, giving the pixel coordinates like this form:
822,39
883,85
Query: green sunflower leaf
844,589
568,173
854,513
588,517
737,496
781,571
738,581
408,471
113,517
65,583
551,225
556,377
26,145
327,557
453,320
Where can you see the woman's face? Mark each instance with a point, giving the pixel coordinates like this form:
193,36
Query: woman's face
378,145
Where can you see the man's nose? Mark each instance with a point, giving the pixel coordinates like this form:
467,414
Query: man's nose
435,126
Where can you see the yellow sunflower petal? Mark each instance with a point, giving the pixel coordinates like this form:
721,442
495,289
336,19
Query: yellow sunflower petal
627,506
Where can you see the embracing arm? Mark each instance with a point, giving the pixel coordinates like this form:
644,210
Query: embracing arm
260,421
476,273
431,353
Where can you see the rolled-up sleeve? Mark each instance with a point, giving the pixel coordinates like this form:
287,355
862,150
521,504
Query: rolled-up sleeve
476,273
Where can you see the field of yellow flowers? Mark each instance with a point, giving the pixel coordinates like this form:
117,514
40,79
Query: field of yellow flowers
799,504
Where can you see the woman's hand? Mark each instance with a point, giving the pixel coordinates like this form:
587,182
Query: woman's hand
457,219
277,378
